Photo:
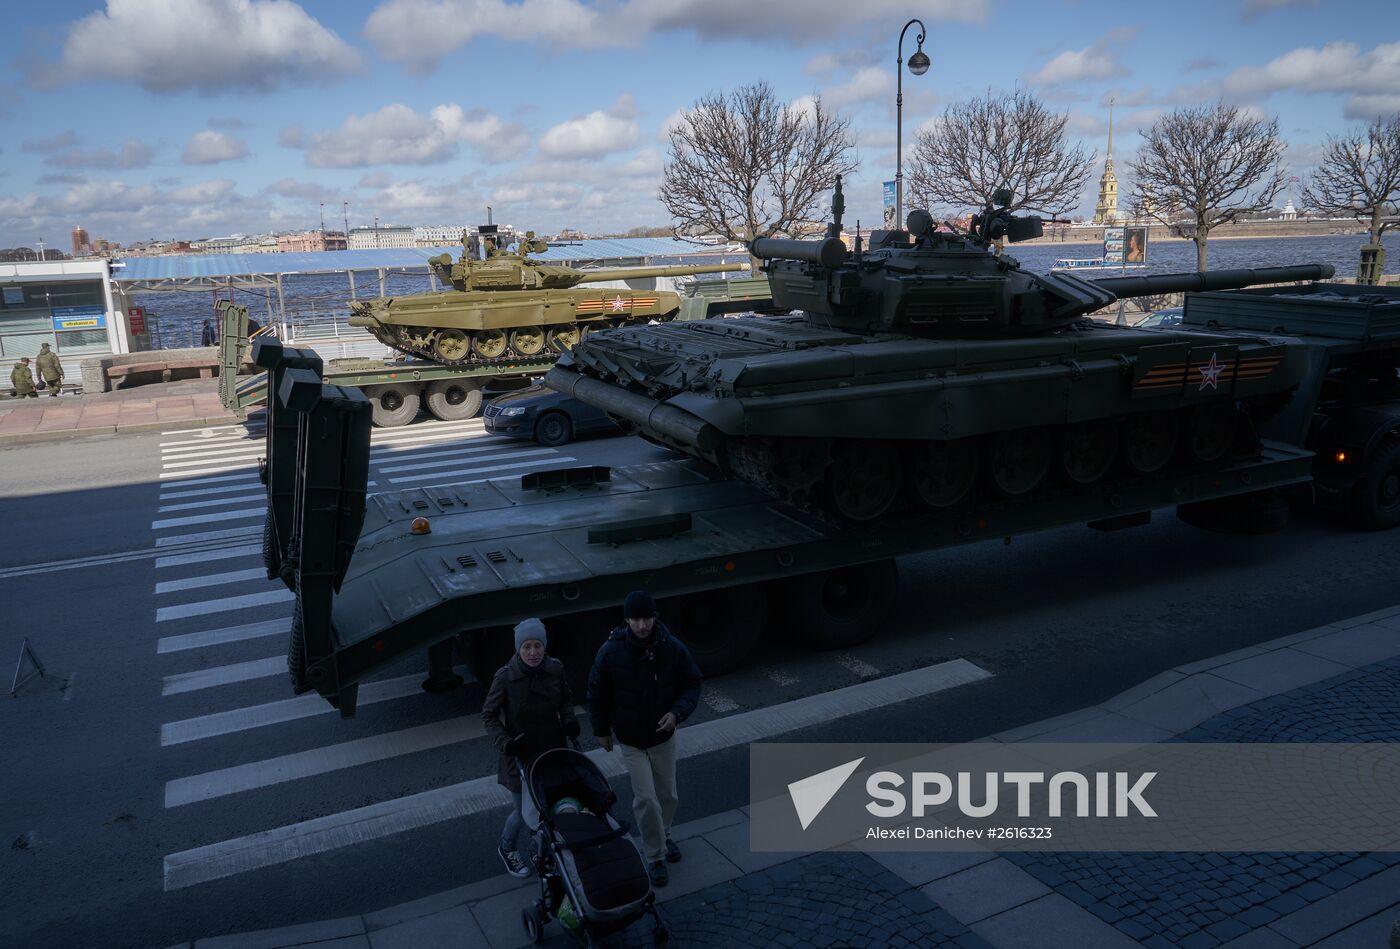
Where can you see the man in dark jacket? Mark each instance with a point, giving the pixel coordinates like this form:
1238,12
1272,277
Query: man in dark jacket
528,710
643,684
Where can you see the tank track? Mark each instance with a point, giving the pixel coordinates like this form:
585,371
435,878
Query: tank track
404,346
771,464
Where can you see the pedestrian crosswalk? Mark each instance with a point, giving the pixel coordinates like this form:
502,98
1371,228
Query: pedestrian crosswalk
259,776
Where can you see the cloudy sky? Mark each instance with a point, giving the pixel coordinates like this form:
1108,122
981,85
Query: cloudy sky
199,118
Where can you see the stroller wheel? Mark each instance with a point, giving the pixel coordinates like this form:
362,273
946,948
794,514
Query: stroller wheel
532,918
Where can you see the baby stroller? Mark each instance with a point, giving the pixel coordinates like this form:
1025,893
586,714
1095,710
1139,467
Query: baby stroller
592,878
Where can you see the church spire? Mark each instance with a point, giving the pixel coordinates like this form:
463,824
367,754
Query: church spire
1106,211
1110,131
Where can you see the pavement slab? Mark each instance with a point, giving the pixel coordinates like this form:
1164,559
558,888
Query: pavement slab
1280,670
1051,920
984,890
449,929
299,935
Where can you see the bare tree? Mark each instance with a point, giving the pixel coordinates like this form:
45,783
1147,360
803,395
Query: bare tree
1359,175
745,165
1210,165
1000,140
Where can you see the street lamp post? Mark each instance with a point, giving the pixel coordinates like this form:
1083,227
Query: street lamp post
918,65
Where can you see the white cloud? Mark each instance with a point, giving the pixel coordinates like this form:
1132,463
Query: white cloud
869,83
134,154
1370,106
1096,61
419,33
374,180
663,134
206,192
1336,67
54,143
210,147
593,135
292,136
398,135
204,45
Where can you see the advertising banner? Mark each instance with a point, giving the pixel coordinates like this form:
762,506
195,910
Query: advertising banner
890,222
1135,245
1113,245
79,317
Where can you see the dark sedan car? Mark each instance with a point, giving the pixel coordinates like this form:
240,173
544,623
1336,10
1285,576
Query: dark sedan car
548,417
1162,319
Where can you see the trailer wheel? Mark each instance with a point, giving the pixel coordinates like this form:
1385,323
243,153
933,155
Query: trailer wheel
394,404
1376,497
721,628
836,609
453,399
1259,512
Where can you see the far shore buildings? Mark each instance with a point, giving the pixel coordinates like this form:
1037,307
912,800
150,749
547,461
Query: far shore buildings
310,242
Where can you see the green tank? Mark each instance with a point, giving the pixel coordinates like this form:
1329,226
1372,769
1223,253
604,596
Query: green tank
927,372
504,305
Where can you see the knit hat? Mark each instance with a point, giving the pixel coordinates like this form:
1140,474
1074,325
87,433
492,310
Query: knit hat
530,629
639,605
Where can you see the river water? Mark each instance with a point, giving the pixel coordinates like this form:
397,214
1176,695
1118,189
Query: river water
178,316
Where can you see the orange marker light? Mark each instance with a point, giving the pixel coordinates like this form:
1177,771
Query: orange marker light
729,567
1341,457
420,525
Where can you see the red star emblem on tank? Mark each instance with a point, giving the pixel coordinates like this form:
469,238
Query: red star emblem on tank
1210,374
619,304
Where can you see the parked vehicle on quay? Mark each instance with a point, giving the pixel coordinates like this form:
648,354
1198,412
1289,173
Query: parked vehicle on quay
503,305
401,388
1161,319
548,417
454,566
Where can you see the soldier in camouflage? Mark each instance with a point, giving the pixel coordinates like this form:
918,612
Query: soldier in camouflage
22,381
50,368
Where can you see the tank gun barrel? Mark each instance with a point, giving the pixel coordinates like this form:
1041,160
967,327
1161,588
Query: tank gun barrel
1212,280
675,270
828,253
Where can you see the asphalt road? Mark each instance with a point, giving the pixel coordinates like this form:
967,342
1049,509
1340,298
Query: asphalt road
151,741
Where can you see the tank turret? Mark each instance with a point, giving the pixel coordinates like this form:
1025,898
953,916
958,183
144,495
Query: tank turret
503,304
927,373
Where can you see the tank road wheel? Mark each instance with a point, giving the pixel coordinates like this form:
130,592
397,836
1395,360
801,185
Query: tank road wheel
1018,460
563,338
451,345
720,627
836,609
863,479
943,473
489,344
394,404
1210,429
527,341
454,399
1087,450
1149,440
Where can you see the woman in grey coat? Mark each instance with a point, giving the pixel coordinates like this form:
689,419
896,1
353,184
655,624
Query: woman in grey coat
528,710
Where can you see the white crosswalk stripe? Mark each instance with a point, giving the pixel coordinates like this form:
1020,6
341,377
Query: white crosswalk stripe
243,601
304,764
222,653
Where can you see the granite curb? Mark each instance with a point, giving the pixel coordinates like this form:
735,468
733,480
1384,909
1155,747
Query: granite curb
1001,904
25,438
